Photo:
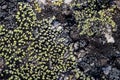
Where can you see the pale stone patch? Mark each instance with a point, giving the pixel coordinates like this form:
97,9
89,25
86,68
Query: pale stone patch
108,35
42,1
109,38
67,1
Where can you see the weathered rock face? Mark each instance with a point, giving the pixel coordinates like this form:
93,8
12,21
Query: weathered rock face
1,64
117,2
7,11
59,39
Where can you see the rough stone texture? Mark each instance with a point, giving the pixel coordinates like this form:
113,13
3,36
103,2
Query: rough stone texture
51,39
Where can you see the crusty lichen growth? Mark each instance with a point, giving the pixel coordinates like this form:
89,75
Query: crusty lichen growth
25,15
36,5
30,51
1,28
76,74
57,2
91,21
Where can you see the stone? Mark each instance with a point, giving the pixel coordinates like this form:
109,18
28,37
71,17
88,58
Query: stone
103,61
106,70
42,1
4,6
109,38
117,2
67,1
114,74
1,64
76,46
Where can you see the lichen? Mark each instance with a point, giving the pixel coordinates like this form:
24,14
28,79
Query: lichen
1,27
25,15
35,49
90,20
30,50
57,2
36,5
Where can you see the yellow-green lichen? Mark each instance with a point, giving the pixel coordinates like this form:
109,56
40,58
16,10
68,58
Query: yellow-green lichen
25,15
57,2
1,27
32,50
36,6
91,21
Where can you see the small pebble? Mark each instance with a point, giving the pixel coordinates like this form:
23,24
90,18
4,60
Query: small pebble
4,6
106,70
67,1
76,46
109,38
42,1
